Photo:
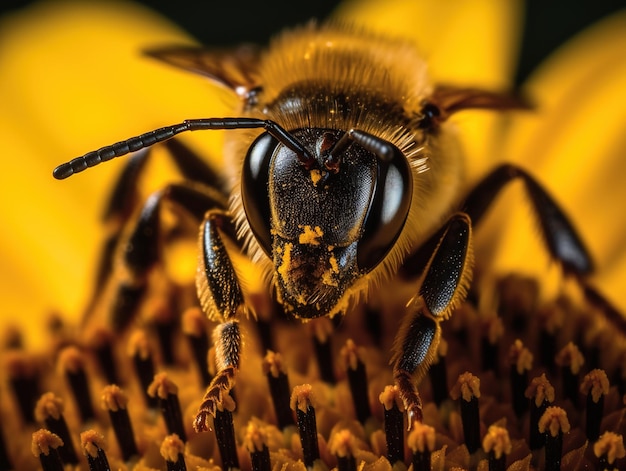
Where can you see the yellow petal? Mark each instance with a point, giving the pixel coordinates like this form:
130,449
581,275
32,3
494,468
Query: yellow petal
465,42
575,145
72,80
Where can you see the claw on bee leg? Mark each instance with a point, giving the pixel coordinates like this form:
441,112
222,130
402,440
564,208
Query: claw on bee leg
414,351
410,397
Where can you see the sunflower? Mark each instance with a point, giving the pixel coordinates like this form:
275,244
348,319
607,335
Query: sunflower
72,79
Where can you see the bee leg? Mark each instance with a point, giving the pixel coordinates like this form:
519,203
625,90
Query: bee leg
444,286
134,243
123,201
139,248
222,300
560,237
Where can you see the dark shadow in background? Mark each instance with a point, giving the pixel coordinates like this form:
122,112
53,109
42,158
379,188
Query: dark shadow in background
548,23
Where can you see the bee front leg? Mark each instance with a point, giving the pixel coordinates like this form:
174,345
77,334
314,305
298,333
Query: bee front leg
444,286
222,300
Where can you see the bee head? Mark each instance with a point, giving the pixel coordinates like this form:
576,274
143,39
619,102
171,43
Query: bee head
325,222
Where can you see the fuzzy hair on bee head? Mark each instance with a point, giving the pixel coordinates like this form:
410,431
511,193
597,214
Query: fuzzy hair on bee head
346,56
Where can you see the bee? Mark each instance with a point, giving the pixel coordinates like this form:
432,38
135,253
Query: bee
345,175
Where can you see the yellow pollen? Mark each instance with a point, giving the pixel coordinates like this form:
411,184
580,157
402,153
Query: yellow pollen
310,235
316,175
285,261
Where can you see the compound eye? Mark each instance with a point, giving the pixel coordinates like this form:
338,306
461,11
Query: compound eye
388,210
254,188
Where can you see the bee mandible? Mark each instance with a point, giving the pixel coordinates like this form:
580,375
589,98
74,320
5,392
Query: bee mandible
347,175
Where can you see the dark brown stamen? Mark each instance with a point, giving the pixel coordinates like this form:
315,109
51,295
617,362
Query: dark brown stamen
71,362
23,378
570,360
357,379
127,301
139,351
342,444
493,329
554,424
498,445
438,374
541,395
462,322
173,451
114,400
194,326
372,320
322,330
518,300
92,443
102,343
520,360
592,339
165,325
393,410
44,446
608,449
166,393
595,386
279,388
255,441
225,432
307,423
551,319
49,410
467,391
421,441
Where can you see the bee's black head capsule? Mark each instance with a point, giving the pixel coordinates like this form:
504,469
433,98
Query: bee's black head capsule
370,192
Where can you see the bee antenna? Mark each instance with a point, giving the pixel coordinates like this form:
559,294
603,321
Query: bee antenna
118,149
381,148
333,159
150,138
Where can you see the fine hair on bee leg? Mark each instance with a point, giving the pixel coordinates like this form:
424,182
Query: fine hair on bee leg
222,301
